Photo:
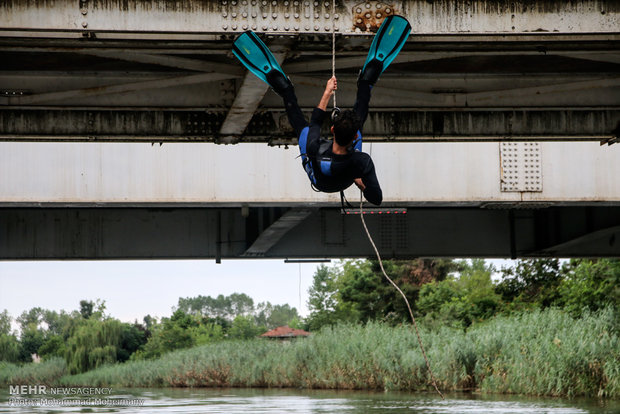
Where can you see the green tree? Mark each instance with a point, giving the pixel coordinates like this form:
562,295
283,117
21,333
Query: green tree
206,332
272,316
92,344
243,327
531,282
86,308
9,348
224,307
5,323
461,299
30,318
367,295
590,285
53,346
9,345
322,300
30,340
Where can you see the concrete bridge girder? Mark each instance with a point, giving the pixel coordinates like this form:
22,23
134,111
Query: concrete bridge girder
465,64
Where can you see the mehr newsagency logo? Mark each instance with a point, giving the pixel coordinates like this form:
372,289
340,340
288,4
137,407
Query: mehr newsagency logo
45,390
58,397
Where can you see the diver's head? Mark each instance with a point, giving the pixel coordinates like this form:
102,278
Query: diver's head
345,127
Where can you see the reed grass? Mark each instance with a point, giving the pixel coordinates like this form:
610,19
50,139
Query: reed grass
534,353
44,373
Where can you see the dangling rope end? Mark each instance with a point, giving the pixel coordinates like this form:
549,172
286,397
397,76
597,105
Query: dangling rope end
415,325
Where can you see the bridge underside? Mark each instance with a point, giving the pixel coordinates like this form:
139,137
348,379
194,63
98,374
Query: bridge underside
282,232
96,70
162,71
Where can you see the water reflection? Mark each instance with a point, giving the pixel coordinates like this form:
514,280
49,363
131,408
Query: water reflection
244,401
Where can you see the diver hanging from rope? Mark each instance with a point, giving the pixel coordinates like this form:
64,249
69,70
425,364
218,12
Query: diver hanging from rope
331,165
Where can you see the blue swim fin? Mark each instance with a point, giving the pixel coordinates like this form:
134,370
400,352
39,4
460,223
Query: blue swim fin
257,58
388,41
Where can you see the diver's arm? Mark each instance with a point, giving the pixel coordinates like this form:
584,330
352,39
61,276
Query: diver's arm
332,85
369,184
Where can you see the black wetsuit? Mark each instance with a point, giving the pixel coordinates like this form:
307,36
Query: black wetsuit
334,172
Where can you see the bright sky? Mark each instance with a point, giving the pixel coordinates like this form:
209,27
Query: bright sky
133,289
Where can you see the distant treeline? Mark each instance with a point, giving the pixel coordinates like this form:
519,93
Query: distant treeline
459,293
90,338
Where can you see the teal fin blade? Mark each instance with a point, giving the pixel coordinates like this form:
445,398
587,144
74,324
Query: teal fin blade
388,41
255,55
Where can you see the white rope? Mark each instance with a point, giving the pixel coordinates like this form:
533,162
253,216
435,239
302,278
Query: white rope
415,325
334,44
428,365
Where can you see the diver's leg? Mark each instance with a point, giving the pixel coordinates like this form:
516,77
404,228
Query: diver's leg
362,101
293,111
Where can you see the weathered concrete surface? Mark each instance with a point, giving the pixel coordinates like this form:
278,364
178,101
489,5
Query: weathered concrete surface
163,71
427,17
411,174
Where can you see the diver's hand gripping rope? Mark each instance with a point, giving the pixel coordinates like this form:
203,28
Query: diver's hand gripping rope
415,325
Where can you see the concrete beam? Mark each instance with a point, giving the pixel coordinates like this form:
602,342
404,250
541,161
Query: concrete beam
434,125
195,17
61,96
247,99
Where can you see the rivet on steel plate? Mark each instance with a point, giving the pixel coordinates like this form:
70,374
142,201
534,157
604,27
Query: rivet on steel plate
286,15
296,15
224,14
316,28
84,11
234,2
368,5
244,27
327,15
286,28
84,24
274,15
234,15
253,27
234,27
225,26
254,15
244,14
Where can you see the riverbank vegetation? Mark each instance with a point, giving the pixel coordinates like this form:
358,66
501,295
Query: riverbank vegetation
541,327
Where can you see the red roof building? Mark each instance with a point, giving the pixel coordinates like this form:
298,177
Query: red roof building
284,332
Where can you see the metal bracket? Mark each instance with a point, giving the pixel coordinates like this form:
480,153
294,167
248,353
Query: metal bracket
520,167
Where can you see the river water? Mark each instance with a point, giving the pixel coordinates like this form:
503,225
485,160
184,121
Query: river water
200,400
